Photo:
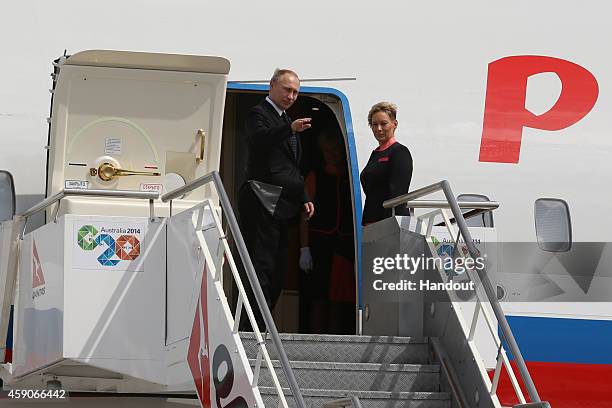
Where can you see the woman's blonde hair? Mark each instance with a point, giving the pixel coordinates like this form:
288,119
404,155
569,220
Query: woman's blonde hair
387,107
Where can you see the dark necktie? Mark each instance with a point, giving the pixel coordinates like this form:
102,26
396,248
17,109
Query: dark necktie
293,138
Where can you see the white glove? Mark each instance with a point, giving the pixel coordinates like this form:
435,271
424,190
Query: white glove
305,259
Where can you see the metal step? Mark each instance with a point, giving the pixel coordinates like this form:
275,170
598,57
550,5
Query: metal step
368,399
382,371
357,376
346,348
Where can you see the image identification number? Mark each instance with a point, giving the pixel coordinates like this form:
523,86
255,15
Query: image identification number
37,394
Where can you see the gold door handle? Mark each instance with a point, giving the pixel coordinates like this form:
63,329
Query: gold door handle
202,136
108,171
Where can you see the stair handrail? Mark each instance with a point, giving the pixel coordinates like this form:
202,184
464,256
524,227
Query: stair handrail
22,219
453,381
481,298
486,283
232,222
82,192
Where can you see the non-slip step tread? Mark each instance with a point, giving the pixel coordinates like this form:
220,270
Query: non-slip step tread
357,376
404,395
345,348
343,338
379,367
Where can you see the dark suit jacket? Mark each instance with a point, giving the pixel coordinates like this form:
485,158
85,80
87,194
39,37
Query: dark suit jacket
271,159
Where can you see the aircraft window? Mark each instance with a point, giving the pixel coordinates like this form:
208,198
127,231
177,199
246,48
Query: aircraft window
7,196
482,220
553,225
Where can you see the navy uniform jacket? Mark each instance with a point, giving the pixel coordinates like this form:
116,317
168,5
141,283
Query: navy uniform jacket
387,175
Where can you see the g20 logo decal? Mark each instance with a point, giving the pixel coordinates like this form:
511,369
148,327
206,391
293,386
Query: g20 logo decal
124,248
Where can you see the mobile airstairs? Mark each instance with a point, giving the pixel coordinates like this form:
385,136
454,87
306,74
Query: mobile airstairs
159,330
119,298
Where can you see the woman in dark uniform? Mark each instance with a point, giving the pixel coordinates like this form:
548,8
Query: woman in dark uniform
327,283
389,169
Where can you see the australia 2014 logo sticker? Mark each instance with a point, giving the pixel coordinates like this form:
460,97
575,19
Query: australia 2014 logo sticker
108,245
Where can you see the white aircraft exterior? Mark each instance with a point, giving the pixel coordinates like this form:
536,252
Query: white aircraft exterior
508,100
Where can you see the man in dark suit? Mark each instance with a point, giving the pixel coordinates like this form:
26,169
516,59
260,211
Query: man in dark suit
273,194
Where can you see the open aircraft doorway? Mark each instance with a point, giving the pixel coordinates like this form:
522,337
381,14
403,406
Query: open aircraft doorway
326,299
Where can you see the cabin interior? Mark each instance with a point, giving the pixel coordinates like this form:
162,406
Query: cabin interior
299,310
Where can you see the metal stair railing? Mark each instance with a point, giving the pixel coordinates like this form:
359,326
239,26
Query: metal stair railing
243,300
225,253
490,296
453,381
481,300
427,221
233,225
20,223
71,192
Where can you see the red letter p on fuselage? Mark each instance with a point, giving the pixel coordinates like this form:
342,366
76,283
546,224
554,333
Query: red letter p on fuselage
505,113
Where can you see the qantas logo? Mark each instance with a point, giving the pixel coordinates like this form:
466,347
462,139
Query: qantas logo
505,114
38,278
198,355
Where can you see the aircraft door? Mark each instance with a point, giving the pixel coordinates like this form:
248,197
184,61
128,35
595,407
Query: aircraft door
304,305
135,121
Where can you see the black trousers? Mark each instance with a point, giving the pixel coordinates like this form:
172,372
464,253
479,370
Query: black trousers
319,311
266,241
